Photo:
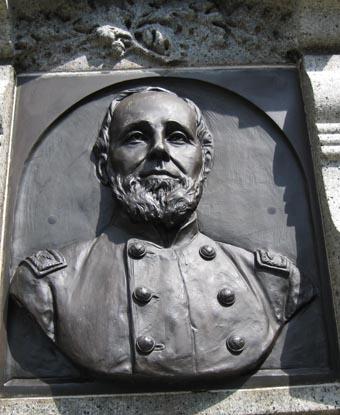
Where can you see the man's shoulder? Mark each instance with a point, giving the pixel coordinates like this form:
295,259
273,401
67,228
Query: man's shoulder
71,256
51,260
31,284
234,250
261,259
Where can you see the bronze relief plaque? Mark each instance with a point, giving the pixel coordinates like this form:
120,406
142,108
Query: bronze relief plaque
164,234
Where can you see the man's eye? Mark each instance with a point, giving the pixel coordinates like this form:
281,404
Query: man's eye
135,137
178,137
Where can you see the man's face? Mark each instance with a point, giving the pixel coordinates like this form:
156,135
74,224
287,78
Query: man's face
155,158
154,136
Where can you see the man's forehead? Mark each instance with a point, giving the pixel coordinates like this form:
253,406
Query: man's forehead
153,107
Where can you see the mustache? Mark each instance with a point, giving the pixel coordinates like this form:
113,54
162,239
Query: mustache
159,172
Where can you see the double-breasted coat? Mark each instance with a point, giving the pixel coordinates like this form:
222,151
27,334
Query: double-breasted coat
123,304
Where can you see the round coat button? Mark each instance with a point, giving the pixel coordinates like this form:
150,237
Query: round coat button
235,344
207,252
142,295
226,297
137,250
145,344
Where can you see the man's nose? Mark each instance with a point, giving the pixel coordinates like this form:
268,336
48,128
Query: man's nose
159,149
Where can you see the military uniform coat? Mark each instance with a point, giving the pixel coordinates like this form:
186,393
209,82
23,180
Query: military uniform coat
123,304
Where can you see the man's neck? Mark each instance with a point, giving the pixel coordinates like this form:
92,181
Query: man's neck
158,233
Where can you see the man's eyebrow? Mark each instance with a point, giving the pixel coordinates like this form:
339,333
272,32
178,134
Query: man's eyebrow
175,124
136,125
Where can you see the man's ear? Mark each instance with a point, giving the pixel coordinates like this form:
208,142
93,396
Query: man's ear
208,162
101,168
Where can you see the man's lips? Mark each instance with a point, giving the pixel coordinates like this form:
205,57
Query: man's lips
158,172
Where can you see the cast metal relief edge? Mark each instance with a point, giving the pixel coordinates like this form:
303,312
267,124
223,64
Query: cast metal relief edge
155,177
7,106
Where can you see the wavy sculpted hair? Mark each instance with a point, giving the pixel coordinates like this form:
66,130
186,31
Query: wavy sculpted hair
102,144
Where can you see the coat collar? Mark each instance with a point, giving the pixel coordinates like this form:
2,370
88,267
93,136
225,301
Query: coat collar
148,232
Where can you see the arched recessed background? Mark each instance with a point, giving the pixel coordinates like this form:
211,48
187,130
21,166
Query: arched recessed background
257,195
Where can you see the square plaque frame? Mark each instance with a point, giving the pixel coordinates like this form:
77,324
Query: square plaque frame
275,92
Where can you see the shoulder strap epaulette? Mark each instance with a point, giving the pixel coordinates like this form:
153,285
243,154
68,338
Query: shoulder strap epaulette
45,261
272,261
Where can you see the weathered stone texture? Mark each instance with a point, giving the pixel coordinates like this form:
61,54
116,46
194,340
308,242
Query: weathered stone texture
5,31
319,24
106,34
64,35
321,91
299,400
6,104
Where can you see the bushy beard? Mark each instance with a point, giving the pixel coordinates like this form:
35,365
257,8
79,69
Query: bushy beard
166,201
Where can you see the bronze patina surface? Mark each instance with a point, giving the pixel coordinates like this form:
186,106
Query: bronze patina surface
159,292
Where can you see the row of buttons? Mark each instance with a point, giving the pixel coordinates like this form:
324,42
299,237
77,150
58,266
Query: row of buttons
147,344
143,295
137,250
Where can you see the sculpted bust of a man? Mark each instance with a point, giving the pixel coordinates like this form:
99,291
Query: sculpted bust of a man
152,295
